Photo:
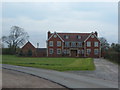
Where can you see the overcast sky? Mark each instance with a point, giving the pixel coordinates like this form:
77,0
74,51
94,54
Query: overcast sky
38,18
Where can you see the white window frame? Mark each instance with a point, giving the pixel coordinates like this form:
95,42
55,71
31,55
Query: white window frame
50,43
88,51
92,36
88,44
78,37
58,43
96,51
67,44
51,51
68,51
95,44
65,51
73,44
58,51
67,37
82,51
79,44
55,36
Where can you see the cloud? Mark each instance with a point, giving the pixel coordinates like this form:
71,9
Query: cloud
38,18
37,29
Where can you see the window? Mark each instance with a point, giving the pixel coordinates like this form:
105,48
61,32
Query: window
65,51
55,36
51,43
82,51
78,37
92,36
88,44
79,51
50,51
79,44
68,51
96,44
58,51
67,44
73,44
58,43
66,36
96,51
88,51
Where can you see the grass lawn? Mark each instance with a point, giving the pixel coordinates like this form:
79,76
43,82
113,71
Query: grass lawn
60,64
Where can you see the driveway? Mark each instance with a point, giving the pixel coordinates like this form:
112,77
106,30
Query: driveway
14,79
69,80
104,70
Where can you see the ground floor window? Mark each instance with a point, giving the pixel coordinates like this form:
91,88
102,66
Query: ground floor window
66,51
88,51
96,51
58,51
50,51
82,51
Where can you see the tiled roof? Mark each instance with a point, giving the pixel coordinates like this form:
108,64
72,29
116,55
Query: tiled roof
28,44
73,36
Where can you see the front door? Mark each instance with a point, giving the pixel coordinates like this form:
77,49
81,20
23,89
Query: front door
73,53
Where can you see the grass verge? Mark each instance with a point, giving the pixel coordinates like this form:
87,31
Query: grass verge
59,64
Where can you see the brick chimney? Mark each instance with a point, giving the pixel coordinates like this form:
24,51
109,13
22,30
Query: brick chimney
96,33
49,34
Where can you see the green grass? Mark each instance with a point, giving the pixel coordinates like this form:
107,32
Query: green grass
60,64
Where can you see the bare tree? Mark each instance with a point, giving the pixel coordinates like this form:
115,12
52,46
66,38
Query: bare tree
16,38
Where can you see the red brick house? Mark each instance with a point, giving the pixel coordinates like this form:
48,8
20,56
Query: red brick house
73,45
36,52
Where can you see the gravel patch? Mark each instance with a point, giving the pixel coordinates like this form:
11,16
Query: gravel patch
104,70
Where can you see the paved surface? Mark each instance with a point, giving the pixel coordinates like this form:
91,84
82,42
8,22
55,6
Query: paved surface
104,70
14,79
67,79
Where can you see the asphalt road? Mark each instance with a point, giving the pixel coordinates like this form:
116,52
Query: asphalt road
67,79
14,79
104,70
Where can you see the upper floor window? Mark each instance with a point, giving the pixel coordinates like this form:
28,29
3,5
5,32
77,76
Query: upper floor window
67,44
66,36
78,37
73,44
96,44
50,43
96,51
88,51
58,51
79,44
58,43
88,44
50,51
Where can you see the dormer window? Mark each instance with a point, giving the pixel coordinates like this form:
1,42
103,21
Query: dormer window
66,36
78,37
